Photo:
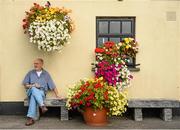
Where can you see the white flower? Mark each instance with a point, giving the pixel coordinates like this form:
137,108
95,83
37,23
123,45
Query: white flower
50,35
100,58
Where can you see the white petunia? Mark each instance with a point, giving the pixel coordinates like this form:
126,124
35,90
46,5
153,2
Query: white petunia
49,35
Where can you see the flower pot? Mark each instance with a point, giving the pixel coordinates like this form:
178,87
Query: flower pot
95,117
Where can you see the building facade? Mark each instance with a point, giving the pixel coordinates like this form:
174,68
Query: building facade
154,23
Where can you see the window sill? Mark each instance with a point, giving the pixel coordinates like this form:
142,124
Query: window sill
132,69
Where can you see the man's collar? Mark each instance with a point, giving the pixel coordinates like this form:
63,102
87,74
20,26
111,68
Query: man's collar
41,70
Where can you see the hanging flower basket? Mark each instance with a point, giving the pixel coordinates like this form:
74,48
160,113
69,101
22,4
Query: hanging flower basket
48,27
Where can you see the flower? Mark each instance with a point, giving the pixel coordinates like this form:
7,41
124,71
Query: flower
48,27
99,50
96,94
117,101
128,47
49,36
110,64
109,44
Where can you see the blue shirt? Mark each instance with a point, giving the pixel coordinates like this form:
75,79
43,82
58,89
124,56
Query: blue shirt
45,81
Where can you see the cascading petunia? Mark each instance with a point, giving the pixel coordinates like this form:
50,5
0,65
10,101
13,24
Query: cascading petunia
48,27
110,62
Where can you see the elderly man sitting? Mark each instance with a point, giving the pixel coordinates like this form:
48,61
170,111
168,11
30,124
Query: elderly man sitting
37,82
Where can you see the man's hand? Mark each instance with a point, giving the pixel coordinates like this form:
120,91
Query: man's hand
57,94
28,86
59,97
37,85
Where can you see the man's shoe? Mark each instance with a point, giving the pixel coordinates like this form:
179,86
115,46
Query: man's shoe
30,121
44,109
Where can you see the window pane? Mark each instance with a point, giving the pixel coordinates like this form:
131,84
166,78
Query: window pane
116,40
101,40
114,27
126,27
103,27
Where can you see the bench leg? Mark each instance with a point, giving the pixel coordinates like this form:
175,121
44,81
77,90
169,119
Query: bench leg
166,114
138,114
64,114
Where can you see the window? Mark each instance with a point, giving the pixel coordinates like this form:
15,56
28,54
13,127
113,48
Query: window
115,29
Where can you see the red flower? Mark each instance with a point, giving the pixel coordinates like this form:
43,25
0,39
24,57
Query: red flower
86,99
73,104
130,76
109,44
106,95
24,26
99,50
77,96
24,20
80,102
88,104
98,85
31,13
89,90
87,84
91,95
115,55
36,5
83,88
108,53
95,99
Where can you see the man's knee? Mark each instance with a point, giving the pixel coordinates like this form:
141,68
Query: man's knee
34,90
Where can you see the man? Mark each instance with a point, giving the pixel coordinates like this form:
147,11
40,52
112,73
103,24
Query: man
37,82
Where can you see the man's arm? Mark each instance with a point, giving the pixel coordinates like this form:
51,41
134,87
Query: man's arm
57,93
27,86
26,81
52,87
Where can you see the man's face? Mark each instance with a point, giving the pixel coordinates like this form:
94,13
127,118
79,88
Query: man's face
38,65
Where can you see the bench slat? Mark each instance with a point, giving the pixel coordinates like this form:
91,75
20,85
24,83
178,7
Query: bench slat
64,114
159,103
50,102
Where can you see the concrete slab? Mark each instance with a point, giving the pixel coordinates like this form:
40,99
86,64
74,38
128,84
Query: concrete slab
17,122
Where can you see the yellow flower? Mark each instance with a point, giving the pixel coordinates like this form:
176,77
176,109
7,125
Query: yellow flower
56,9
115,103
126,40
111,98
127,46
52,10
101,78
91,80
131,39
38,17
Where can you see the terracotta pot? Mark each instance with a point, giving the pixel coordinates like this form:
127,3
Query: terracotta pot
95,117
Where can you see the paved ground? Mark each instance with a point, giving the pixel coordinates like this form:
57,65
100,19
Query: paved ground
17,122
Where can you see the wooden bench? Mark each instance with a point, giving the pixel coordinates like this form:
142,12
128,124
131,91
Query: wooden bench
165,105
64,115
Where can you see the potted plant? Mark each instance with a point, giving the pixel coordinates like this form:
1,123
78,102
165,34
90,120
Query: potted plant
96,99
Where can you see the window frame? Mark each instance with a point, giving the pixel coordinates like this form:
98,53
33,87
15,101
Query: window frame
121,35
